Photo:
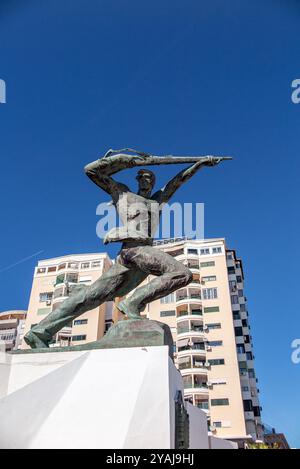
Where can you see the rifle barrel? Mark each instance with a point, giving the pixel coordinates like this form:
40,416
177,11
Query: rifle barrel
158,160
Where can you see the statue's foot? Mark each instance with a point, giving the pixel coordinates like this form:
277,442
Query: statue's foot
34,341
127,309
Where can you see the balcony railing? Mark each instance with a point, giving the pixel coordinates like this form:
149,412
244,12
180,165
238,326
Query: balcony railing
195,385
194,312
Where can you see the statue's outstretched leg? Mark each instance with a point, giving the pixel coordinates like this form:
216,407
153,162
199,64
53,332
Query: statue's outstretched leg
118,281
170,273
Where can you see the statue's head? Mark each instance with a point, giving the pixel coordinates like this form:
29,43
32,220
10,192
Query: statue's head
146,180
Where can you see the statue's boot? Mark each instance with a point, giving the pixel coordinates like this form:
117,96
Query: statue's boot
34,341
127,308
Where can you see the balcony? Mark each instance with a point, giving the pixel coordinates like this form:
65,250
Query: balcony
187,295
195,382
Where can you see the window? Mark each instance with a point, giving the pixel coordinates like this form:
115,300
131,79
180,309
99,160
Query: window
209,278
234,299
215,343
168,299
45,296
210,293
72,278
163,314
80,322
96,264
236,315
243,308
239,279
244,323
231,270
229,255
215,325
85,265
62,266
216,361
108,325
248,407
215,402
251,373
51,269
247,339
249,355
192,251
43,311
240,348
217,424
73,265
204,252
232,283
245,388
77,338
207,264
256,410
41,271
238,331
211,309
241,293
217,250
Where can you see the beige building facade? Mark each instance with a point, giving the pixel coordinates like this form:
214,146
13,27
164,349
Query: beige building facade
12,325
53,282
212,341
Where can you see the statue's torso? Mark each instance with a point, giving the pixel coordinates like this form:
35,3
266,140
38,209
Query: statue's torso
139,216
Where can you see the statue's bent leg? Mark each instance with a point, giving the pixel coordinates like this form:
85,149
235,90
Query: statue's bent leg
170,273
117,281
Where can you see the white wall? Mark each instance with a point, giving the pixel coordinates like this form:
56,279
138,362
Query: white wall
219,443
198,428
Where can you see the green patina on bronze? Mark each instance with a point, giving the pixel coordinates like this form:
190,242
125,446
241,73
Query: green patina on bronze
130,333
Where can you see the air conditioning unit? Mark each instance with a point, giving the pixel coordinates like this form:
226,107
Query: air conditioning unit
212,428
205,328
209,384
207,365
48,302
208,347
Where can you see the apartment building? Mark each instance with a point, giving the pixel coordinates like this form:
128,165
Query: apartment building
53,281
12,324
212,341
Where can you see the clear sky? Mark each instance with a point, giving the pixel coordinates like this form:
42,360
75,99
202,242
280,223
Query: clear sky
166,77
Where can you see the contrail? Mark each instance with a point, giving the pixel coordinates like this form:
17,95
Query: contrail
11,266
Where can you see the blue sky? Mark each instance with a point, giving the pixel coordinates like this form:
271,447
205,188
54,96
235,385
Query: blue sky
166,77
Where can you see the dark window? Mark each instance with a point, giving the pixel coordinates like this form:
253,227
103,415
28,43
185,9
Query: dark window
214,325
216,361
240,348
236,315
211,309
231,270
215,402
238,331
239,279
192,251
207,264
256,411
215,343
248,407
244,323
246,339
249,355
80,322
163,314
77,338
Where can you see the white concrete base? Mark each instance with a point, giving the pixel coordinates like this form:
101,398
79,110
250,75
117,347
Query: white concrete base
112,399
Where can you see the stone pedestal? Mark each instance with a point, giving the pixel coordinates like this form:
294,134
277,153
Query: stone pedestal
109,398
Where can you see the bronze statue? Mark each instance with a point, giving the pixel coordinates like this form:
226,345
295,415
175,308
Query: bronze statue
138,258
